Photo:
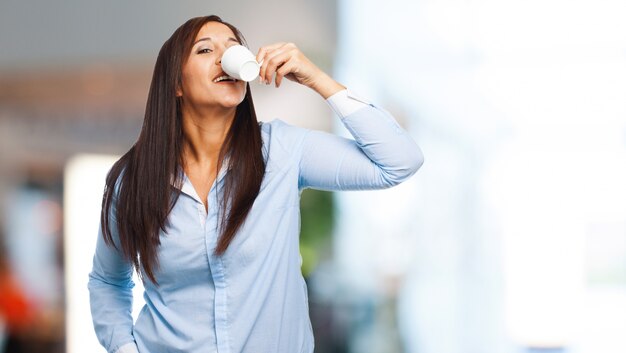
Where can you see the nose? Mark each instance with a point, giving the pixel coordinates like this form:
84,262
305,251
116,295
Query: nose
218,61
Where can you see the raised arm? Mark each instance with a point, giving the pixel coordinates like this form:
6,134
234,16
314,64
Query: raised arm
381,155
111,298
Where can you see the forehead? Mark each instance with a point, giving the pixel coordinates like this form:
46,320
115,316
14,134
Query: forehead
216,31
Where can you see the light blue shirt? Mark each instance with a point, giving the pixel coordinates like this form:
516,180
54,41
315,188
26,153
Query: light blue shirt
253,299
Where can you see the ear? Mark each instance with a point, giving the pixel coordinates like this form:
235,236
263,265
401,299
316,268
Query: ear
179,92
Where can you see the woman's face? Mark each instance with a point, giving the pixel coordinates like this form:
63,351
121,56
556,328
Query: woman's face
203,67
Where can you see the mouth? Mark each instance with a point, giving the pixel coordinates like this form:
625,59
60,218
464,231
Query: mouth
223,77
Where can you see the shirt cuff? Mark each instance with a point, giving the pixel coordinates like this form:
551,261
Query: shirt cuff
128,348
345,103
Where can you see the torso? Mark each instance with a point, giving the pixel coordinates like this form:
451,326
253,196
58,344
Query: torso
253,297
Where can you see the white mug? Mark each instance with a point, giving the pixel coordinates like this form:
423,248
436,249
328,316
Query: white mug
240,63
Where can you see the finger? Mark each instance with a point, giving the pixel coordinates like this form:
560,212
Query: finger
262,56
266,48
279,79
275,60
283,71
270,62
270,52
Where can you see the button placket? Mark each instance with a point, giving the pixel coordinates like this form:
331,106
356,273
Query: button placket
218,273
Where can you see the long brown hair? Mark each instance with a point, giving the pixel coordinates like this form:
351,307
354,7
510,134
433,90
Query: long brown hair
144,184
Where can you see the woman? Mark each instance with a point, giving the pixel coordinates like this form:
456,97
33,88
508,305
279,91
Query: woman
205,205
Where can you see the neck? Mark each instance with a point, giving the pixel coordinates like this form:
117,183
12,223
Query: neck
205,132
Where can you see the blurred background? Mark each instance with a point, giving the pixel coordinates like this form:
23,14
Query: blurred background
510,239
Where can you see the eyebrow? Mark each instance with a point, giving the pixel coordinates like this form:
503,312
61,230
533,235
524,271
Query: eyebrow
230,39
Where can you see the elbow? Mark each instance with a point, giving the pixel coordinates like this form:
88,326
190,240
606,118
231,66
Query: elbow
415,160
412,163
124,282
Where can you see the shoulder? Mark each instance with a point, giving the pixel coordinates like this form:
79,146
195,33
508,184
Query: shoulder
282,143
282,135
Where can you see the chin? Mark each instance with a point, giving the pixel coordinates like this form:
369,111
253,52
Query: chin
233,100
233,103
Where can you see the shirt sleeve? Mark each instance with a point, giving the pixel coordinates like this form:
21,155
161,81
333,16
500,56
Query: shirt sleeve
381,155
110,292
128,348
345,102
